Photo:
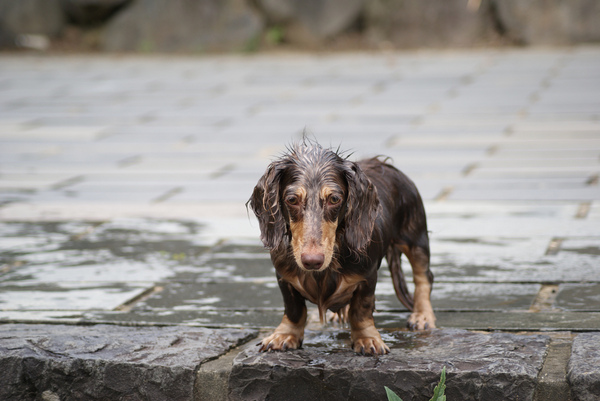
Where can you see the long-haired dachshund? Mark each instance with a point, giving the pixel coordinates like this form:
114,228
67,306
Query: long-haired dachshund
328,223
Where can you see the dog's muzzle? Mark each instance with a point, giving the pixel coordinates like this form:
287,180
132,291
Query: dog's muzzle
312,261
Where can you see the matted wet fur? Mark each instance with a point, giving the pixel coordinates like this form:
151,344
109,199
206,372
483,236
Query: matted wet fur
328,223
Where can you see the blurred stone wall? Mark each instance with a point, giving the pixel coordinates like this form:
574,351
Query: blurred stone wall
245,25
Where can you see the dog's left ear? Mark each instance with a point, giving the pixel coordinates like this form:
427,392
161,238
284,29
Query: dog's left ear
264,202
362,208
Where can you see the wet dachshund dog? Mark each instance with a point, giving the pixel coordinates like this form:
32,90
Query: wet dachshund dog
328,223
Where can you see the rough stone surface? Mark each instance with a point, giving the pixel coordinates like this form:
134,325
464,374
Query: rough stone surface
544,22
40,17
106,362
413,23
90,12
479,366
159,25
584,367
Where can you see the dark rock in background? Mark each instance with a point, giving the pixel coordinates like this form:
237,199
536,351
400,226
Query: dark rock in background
277,11
428,23
312,21
7,38
196,26
106,362
525,22
91,12
583,371
185,25
37,17
585,21
549,22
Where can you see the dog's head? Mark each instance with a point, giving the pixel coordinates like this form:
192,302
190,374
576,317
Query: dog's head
315,201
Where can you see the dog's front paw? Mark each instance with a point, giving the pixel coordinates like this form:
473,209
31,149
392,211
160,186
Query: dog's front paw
280,341
421,321
370,346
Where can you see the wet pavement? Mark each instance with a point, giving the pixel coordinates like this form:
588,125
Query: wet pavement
123,183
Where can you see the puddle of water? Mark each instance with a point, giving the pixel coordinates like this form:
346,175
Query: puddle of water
122,250
233,284
56,297
333,341
404,339
482,241
328,340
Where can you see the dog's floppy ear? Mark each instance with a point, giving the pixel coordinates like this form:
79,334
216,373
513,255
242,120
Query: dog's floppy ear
264,202
362,207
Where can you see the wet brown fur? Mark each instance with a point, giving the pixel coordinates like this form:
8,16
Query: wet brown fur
328,223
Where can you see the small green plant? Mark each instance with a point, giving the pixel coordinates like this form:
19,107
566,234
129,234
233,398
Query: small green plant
275,35
391,395
438,391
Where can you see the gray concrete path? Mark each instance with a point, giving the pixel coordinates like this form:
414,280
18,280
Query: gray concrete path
123,181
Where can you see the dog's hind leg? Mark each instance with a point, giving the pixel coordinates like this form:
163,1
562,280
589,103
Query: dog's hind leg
394,259
422,317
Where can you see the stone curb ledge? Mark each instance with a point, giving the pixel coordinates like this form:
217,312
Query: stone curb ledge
103,362
61,362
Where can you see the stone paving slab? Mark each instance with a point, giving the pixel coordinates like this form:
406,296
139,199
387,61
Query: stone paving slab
123,182
82,296
545,321
189,279
579,297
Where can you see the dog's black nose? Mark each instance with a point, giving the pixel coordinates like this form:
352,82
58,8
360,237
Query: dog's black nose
312,261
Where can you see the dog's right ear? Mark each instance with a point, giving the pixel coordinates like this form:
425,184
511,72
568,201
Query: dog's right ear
264,202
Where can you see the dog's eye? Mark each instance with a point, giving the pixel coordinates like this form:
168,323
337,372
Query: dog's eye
334,200
292,200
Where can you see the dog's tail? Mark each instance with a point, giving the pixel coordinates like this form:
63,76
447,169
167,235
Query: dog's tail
394,260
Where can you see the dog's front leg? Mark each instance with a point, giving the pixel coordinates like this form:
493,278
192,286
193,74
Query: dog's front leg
290,332
366,339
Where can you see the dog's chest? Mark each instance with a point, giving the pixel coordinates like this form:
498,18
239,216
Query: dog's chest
325,291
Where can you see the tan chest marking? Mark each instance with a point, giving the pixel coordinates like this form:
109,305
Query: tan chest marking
344,290
308,287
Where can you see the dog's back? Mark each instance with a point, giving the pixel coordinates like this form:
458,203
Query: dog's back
402,208
402,218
